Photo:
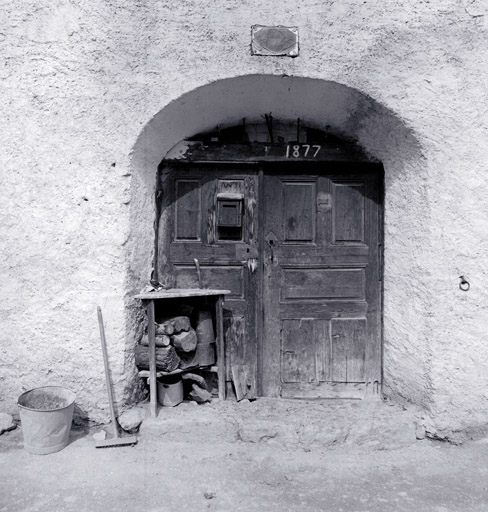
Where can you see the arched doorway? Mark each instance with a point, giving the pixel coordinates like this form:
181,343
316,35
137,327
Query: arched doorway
333,108
289,218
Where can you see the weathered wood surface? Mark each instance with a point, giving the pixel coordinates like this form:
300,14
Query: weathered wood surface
206,338
185,341
180,323
315,232
309,347
173,325
204,327
329,390
222,260
144,374
221,347
174,293
195,378
160,340
166,358
244,382
199,394
205,354
151,357
188,360
335,150
164,328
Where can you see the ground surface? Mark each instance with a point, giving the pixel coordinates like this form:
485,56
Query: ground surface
262,456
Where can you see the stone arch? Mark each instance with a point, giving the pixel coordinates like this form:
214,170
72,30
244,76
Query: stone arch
346,112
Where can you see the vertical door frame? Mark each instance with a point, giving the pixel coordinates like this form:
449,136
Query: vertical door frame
260,316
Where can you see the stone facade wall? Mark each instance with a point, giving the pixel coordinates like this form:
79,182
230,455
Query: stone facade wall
95,93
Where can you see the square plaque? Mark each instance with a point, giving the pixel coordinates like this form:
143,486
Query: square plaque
277,41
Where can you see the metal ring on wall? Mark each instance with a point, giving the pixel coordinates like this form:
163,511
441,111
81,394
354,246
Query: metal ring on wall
464,284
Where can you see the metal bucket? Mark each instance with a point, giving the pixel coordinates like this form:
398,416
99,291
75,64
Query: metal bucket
46,414
170,391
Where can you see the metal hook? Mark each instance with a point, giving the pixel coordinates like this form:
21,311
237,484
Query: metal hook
199,274
252,265
271,248
464,284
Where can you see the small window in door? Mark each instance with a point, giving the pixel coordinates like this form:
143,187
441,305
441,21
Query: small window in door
229,217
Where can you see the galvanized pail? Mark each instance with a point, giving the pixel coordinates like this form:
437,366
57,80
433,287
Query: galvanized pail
46,414
170,391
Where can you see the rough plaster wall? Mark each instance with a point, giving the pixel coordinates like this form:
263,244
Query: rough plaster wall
65,195
83,80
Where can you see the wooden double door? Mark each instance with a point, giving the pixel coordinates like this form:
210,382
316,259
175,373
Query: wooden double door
299,246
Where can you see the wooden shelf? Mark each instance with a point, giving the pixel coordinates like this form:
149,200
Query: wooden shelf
149,299
177,293
146,373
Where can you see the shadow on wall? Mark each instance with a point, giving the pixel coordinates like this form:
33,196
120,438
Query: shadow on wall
345,112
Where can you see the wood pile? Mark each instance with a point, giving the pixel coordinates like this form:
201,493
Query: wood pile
173,325
181,345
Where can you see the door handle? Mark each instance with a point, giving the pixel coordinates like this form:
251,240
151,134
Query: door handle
252,265
271,250
199,274
271,240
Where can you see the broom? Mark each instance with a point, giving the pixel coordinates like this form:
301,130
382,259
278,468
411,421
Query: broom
117,440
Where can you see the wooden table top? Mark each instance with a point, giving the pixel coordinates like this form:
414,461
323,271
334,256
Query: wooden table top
174,293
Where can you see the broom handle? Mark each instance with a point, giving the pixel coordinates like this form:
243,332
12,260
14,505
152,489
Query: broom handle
107,374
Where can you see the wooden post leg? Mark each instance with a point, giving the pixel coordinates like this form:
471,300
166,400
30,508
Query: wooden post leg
220,346
151,336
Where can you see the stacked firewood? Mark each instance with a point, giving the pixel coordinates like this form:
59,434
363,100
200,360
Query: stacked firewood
179,345
175,340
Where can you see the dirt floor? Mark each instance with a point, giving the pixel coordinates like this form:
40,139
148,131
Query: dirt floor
261,456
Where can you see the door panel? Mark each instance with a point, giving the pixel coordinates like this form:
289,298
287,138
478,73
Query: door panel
225,277
348,212
323,283
187,209
298,352
299,221
348,347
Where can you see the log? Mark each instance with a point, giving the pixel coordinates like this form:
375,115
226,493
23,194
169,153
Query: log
185,341
198,379
167,359
165,328
204,328
181,323
206,338
173,325
162,340
188,360
200,395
